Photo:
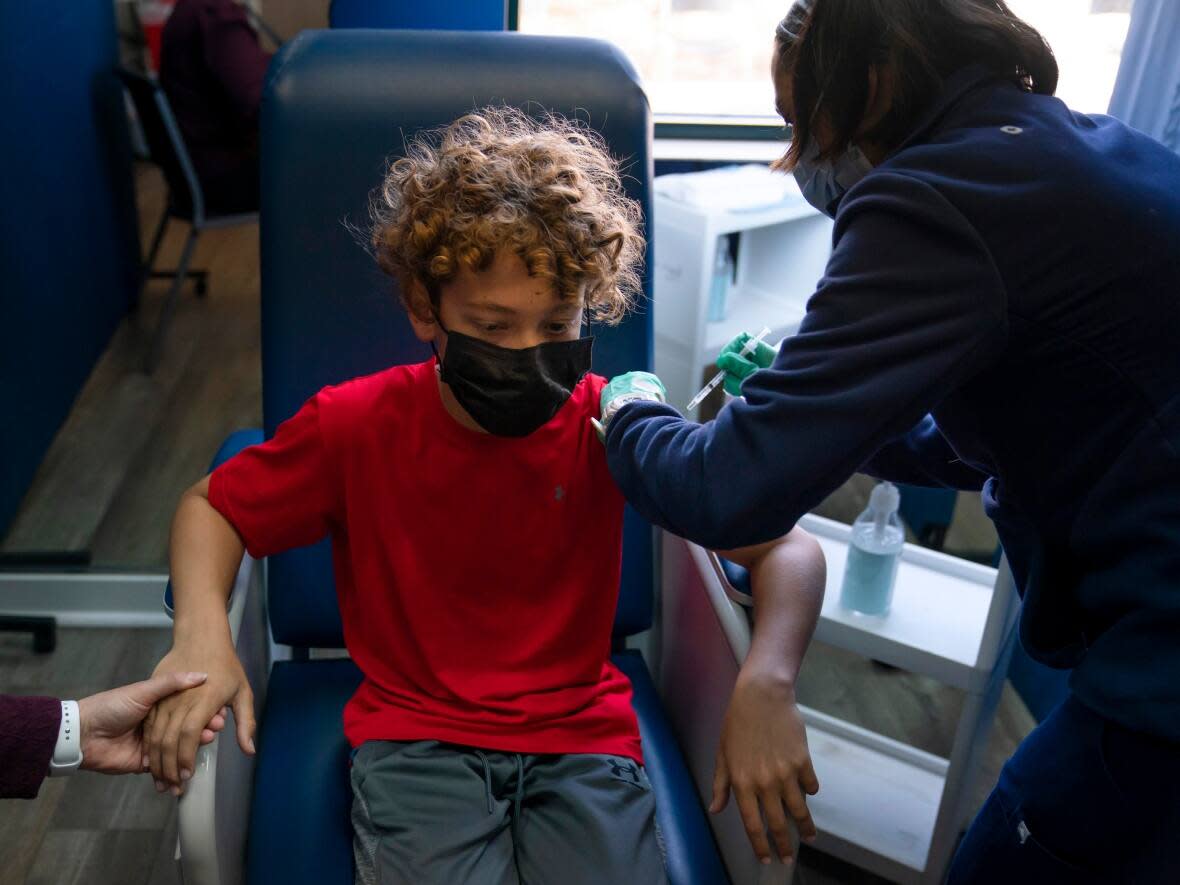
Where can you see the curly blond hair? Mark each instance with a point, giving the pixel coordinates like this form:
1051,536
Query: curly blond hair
498,179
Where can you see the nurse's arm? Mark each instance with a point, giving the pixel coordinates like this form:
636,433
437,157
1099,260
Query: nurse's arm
762,755
910,309
923,457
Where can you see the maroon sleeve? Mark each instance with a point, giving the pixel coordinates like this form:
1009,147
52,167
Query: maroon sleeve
28,734
283,493
234,57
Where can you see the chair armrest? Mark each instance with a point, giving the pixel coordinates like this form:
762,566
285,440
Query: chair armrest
705,636
214,812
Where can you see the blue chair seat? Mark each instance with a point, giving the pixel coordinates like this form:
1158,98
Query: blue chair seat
303,764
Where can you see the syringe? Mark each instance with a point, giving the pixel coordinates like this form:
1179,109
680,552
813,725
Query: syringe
748,348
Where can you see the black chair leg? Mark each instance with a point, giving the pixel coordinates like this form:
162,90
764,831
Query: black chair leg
170,303
44,630
146,272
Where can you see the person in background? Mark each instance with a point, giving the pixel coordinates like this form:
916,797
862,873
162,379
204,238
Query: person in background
212,69
42,736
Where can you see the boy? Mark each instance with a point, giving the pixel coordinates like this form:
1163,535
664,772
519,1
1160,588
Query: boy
477,541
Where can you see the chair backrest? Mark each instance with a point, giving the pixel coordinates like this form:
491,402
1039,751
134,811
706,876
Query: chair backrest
164,142
442,15
337,106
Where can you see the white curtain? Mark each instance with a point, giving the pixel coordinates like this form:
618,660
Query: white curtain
1147,91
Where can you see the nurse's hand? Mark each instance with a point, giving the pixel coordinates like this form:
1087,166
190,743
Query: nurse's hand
763,758
738,367
623,389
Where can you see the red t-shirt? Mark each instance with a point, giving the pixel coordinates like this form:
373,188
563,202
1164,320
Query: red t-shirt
477,575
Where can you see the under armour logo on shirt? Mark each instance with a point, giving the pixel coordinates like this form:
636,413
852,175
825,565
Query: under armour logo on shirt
558,493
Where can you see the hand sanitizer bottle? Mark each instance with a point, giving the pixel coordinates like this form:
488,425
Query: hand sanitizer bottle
873,551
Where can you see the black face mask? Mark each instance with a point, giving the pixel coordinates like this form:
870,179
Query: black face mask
513,392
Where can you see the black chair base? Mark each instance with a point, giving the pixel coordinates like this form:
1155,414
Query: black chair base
200,277
44,630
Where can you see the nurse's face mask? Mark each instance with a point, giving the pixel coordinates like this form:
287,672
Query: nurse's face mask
824,182
509,391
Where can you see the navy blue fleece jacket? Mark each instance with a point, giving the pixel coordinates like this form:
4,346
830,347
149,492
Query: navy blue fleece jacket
1001,311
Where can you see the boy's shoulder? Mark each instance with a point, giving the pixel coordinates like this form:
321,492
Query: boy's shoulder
360,397
590,389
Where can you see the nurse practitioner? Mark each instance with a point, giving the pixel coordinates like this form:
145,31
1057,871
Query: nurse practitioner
1000,312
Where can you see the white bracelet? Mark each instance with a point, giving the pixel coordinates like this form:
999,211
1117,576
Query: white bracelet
67,754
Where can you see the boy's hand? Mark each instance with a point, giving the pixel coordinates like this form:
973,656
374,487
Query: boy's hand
738,368
173,729
763,756
111,723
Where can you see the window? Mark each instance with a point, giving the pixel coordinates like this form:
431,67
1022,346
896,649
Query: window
1087,37
698,58
709,60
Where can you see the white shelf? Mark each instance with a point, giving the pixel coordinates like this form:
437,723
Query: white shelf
721,221
735,222
939,616
883,805
878,799
749,311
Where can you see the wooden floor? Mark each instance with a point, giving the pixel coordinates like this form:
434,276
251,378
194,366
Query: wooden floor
109,485
134,442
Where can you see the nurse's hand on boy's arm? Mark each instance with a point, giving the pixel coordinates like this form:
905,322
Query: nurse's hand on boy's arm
763,755
205,554
623,389
738,366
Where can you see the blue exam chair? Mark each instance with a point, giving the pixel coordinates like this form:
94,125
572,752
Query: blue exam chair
336,107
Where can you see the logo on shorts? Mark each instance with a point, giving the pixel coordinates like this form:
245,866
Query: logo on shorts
625,770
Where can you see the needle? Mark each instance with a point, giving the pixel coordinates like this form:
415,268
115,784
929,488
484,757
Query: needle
720,376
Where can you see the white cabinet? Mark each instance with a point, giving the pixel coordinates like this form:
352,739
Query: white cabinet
781,253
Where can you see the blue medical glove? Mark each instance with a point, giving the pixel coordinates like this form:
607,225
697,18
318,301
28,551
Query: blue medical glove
623,389
738,368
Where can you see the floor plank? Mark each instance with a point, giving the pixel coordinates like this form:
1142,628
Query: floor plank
88,857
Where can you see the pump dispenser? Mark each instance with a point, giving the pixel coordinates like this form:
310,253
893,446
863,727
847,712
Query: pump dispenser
873,551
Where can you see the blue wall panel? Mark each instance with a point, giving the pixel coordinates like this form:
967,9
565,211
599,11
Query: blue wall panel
68,234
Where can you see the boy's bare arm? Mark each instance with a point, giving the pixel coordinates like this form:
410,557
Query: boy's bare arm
763,753
205,554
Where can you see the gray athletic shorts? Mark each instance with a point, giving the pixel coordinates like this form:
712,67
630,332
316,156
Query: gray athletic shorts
427,812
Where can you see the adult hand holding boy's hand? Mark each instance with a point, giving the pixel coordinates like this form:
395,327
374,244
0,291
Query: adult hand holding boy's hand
173,729
763,757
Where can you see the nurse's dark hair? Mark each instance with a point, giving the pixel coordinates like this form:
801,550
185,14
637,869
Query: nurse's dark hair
499,180
825,48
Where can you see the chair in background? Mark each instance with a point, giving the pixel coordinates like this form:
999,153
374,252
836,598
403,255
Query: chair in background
438,15
186,200
328,314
